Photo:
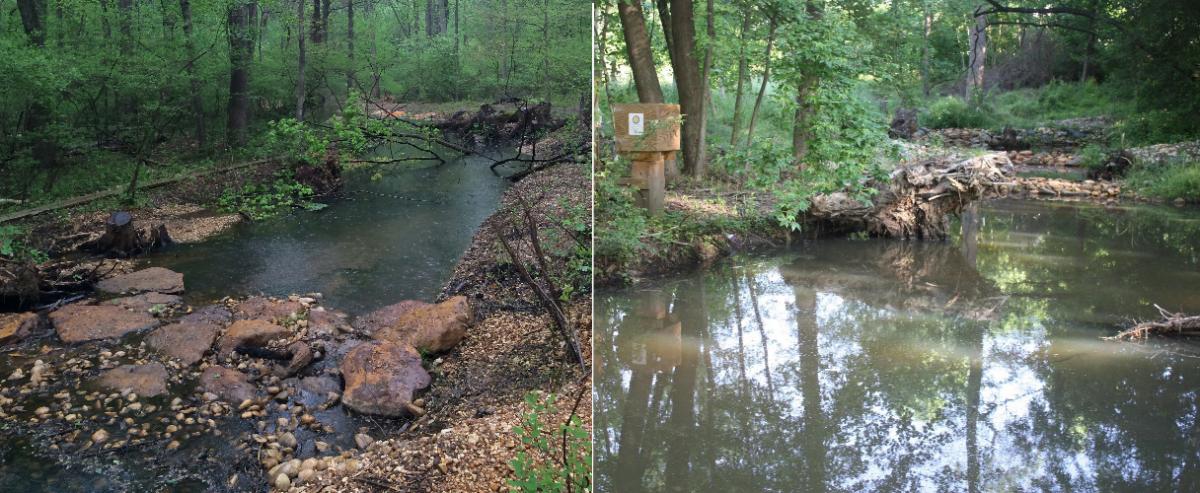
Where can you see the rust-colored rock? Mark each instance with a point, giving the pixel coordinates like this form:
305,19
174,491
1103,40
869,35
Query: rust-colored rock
258,307
79,323
147,380
184,341
385,317
433,328
250,333
213,314
16,326
323,322
228,384
381,378
152,302
153,279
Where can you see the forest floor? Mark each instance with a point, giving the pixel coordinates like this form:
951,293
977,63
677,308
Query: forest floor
713,218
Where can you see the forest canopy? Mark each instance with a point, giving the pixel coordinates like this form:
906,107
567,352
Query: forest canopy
98,83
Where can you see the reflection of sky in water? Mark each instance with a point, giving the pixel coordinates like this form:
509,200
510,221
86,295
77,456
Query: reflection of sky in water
914,341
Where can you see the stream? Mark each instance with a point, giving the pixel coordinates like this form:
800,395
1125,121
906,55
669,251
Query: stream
382,239
972,365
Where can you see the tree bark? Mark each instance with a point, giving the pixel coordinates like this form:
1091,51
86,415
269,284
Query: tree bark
437,15
977,56
301,77
801,133
743,67
637,47
317,31
189,42
241,53
689,82
33,13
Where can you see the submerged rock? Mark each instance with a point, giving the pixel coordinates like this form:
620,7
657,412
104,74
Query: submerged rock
153,279
146,302
227,384
79,323
17,326
381,378
258,307
433,328
184,341
250,334
147,380
213,314
385,317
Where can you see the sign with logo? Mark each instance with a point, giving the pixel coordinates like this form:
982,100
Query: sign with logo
637,123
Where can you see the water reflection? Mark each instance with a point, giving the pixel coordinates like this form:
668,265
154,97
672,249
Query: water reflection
973,365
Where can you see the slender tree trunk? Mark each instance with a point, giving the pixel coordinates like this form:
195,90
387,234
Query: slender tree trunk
104,25
690,83
977,56
437,15
1091,43
318,35
801,131
762,88
710,34
925,33
350,47
637,48
241,53
743,67
189,43
301,76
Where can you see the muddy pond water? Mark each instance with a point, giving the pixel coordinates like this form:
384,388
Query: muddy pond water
974,365
383,239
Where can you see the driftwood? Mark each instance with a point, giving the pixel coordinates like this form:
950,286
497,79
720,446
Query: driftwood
25,283
916,201
1172,324
491,125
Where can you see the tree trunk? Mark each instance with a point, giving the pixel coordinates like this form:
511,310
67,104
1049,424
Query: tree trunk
710,32
1091,43
301,77
318,34
437,15
804,109
978,53
189,42
637,47
241,53
762,88
690,84
350,46
925,33
743,66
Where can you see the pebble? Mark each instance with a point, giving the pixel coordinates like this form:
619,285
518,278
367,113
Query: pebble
288,440
282,482
100,436
363,441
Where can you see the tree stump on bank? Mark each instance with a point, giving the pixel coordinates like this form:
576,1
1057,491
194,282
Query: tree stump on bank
122,238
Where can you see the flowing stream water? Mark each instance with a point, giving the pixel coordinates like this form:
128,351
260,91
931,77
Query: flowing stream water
973,365
381,240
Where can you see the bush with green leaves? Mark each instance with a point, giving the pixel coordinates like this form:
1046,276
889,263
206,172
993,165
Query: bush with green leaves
259,201
14,245
1168,181
953,112
555,457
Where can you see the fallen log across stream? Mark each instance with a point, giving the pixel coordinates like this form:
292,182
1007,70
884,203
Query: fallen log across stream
1171,324
917,200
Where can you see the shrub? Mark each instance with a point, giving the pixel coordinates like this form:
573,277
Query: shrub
951,112
1179,180
556,458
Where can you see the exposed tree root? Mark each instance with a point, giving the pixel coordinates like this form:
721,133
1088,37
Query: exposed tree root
917,200
1172,324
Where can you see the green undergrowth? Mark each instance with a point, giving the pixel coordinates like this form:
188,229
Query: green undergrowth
263,200
1167,181
555,457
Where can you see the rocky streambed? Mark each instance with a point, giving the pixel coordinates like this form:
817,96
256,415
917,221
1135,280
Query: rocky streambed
133,389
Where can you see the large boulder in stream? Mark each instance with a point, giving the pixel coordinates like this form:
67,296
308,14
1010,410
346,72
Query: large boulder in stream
381,377
184,341
147,380
17,326
227,384
385,317
153,279
80,323
432,328
250,334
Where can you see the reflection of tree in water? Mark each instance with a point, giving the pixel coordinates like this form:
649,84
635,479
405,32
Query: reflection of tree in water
878,366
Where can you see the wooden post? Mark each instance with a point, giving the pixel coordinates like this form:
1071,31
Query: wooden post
648,135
